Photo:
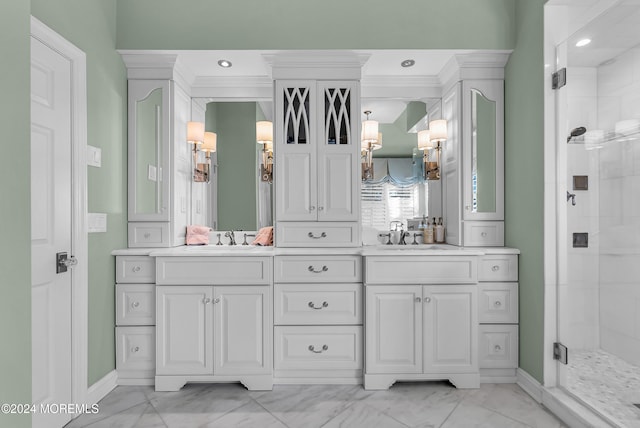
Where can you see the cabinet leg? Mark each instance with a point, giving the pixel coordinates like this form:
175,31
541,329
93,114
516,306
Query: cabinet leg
169,383
258,383
378,382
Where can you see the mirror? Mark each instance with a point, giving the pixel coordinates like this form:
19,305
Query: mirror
148,156
239,199
483,153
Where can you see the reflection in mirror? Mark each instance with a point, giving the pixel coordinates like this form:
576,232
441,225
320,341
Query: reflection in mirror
148,180
240,200
483,167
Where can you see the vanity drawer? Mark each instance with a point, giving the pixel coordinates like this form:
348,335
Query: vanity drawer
135,352
498,267
137,269
483,234
151,234
498,303
213,270
421,269
135,304
318,303
317,234
498,346
318,348
318,269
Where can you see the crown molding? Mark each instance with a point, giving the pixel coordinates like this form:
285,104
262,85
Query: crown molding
477,65
320,64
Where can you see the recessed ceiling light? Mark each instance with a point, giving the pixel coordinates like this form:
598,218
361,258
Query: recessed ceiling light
583,42
224,63
407,63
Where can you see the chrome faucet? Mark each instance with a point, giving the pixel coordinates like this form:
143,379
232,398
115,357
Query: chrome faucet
232,237
403,234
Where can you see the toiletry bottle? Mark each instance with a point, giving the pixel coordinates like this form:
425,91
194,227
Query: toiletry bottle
439,231
427,234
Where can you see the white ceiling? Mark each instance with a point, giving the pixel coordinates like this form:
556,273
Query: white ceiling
383,64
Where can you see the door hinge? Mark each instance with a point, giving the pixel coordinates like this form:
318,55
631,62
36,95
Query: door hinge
560,353
559,79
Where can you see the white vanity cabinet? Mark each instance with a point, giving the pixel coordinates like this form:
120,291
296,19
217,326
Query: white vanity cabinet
213,332
420,332
317,163
135,319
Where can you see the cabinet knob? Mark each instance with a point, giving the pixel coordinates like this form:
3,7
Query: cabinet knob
313,306
483,234
147,235
311,235
312,207
418,300
497,348
136,268
427,299
217,300
495,268
206,300
136,349
313,349
497,303
135,304
312,269
320,208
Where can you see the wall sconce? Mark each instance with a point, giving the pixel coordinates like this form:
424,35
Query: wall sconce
430,139
370,140
202,141
264,136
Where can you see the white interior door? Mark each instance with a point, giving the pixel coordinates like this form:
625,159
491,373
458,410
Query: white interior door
51,221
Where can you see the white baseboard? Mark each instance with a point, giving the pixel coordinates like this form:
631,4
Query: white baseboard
101,388
560,404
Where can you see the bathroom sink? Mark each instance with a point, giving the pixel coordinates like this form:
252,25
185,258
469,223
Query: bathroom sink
421,247
213,247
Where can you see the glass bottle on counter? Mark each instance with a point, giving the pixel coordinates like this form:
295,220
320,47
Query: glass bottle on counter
427,233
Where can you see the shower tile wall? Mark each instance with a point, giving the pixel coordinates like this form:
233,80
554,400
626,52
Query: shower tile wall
579,294
619,99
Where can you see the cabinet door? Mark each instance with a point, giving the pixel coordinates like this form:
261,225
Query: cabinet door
483,149
184,330
295,151
451,173
243,333
149,152
450,329
393,329
338,151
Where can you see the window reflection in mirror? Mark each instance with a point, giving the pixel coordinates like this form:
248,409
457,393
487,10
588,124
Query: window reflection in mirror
239,200
483,162
148,180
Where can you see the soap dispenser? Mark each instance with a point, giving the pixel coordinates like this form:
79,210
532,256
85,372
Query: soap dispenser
427,233
439,231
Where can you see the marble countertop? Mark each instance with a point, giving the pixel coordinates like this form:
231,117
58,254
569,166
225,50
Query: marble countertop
367,250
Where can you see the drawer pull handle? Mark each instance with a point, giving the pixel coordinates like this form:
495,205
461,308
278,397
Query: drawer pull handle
427,299
483,234
313,349
497,303
495,268
497,348
312,269
135,304
136,268
136,349
418,300
312,306
312,236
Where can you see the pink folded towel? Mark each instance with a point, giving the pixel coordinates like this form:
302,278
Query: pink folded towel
198,235
264,237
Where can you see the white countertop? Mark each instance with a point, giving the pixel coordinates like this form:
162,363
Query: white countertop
367,250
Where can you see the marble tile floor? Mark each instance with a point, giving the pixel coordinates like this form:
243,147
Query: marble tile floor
423,404
607,384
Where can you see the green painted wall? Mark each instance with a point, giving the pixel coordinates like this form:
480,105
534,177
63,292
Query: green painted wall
91,26
15,214
235,124
524,178
328,24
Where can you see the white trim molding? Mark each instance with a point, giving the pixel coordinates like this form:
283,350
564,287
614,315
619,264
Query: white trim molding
79,238
101,388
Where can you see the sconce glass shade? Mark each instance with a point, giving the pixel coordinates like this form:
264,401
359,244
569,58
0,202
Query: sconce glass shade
438,130
195,132
369,131
424,140
210,142
264,132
